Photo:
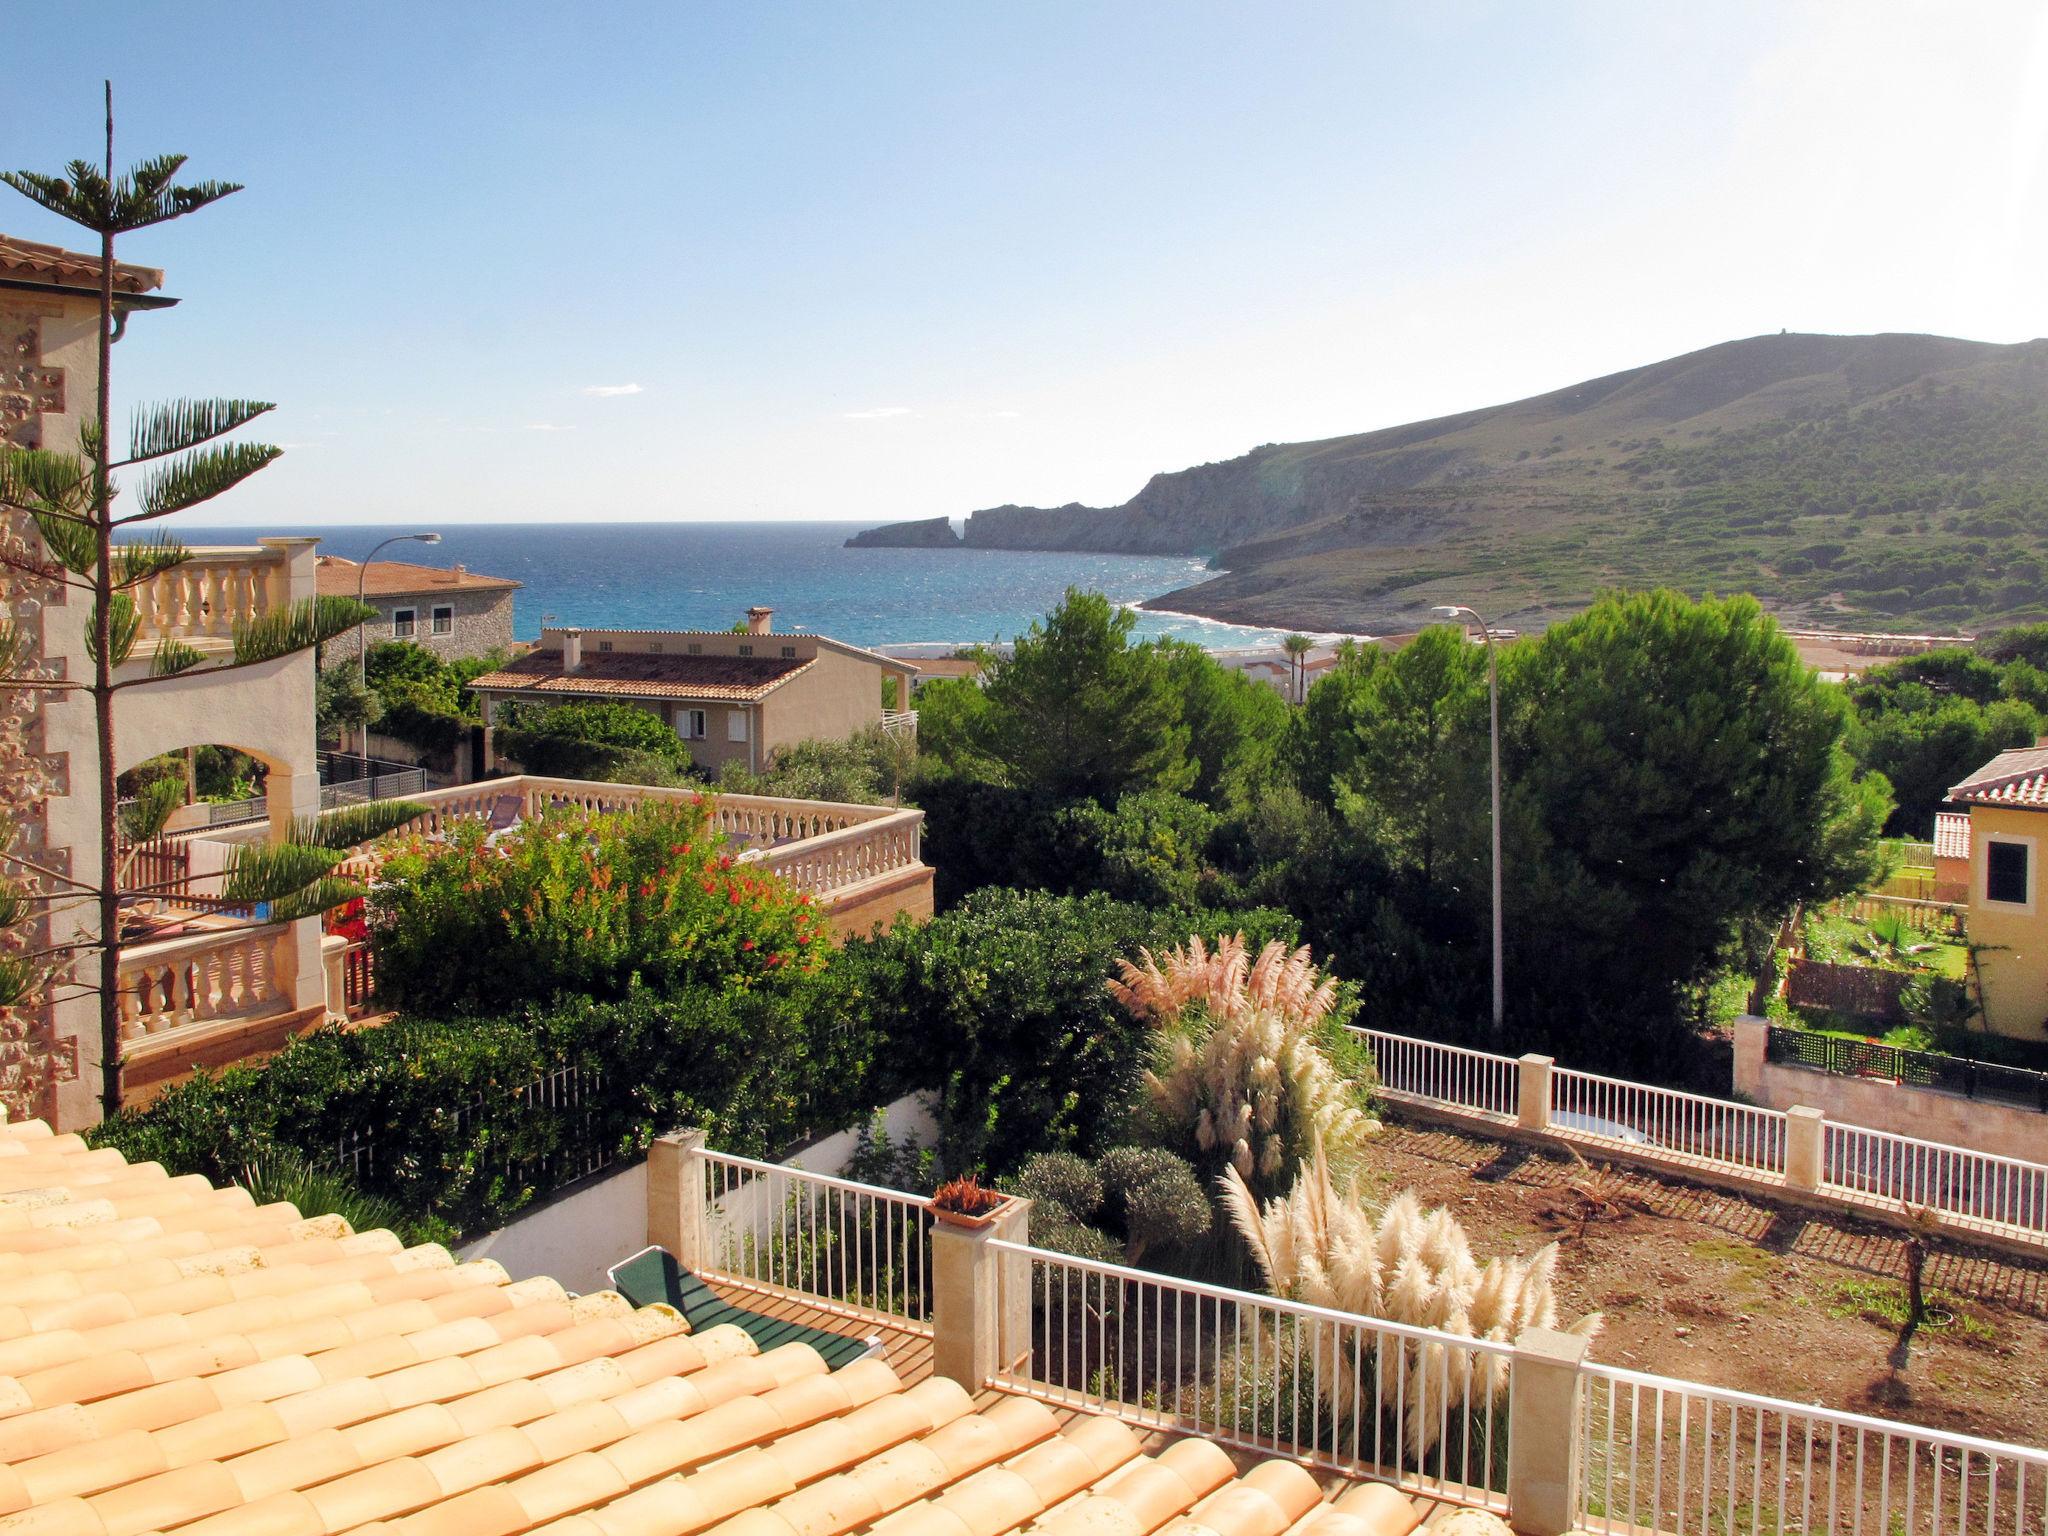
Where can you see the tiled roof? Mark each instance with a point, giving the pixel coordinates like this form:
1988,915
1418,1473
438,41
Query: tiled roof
639,675
2018,777
398,578
174,1357
894,663
1951,835
32,261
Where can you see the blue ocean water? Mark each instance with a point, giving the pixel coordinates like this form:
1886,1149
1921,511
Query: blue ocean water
705,576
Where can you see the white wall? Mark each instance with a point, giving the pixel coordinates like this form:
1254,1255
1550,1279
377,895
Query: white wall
577,1236
574,1237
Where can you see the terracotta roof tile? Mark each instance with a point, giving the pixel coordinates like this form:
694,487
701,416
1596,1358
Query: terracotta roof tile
2018,777
642,675
337,577
310,1381
32,261
1951,835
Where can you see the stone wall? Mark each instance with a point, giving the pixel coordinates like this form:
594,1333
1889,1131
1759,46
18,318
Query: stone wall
483,622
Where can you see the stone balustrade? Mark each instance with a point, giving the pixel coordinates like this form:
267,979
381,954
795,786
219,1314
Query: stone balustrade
239,973
216,589
819,846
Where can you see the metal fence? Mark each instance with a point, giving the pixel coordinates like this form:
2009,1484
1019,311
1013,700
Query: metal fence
1954,1182
1920,1069
1424,1410
1444,1074
1677,1457
848,1247
349,779
1689,1125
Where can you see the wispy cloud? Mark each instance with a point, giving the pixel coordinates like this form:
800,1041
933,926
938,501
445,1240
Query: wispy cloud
605,391
879,413
545,426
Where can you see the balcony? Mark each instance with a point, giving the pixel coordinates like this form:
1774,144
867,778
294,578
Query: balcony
220,586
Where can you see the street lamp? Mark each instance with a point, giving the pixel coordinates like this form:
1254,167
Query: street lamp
1451,611
362,633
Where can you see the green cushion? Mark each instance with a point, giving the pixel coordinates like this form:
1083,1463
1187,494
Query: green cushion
652,1275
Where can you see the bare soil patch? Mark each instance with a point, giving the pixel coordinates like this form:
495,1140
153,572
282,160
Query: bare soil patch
1717,1288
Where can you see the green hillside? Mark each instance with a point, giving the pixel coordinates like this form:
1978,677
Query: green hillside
1896,482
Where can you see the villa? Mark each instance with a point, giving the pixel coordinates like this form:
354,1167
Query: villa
1996,825
452,611
733,697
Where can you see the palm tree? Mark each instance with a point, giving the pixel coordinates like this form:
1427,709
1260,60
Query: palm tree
1297,648
180,459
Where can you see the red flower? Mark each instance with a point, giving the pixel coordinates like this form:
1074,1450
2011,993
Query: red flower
746,943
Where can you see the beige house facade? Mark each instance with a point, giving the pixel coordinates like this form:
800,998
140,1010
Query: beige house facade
732,698
450,610
2006,801
180,998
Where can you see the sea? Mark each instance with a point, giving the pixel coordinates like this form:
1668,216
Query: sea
706,575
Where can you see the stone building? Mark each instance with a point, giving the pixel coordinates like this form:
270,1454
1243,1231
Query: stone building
452,611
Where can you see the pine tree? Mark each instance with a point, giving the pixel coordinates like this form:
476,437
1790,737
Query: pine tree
181,457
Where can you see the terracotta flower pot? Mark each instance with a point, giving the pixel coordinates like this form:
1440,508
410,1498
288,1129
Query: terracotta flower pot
973,1221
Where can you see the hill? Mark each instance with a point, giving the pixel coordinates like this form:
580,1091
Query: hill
1891,481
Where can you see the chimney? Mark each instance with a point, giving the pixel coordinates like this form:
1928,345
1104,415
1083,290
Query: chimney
460,571
572,651
760,621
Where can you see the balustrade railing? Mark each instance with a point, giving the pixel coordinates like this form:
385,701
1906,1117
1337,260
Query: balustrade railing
850,1248
818,846
210,593
236,974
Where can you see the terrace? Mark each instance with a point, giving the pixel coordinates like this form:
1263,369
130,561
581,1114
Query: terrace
218,986
1532,1428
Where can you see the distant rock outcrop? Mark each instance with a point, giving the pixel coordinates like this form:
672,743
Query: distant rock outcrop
926,533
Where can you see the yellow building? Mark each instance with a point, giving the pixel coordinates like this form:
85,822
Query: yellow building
2007,803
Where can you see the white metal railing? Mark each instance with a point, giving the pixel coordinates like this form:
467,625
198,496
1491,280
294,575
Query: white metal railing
1853,1164
1689,1125
1971,1188
1678,1457
847,1247
1424,1410
1444,1074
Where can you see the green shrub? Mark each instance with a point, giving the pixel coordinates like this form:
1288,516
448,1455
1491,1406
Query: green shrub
581,901
588,741
1059,1179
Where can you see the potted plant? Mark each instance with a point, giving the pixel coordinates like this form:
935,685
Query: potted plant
967,1202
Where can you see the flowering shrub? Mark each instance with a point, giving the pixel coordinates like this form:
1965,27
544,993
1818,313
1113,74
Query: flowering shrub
582,901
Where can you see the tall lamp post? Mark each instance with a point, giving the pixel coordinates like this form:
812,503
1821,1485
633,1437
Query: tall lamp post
1451,611
362,631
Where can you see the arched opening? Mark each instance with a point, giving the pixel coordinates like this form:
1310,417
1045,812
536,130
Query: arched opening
182,812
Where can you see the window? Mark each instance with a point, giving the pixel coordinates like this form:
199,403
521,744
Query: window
404,621
2007,872
690,724
746,650
696,649
654,647
788,651
735,725
604,645
444,619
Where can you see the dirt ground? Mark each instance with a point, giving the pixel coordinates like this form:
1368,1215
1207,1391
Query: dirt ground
1733,1292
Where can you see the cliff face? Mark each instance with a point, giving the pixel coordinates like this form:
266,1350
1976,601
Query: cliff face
929,533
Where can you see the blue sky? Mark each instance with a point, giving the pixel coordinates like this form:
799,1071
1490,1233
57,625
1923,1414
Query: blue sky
515,261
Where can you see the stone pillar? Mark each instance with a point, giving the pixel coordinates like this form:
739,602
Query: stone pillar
301,565
1532,1102
675,1196
1544,1454
1752,1043
332,947
967,1321
1013,1285
1804,1133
